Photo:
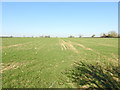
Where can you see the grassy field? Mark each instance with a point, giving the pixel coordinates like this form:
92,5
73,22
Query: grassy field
60,62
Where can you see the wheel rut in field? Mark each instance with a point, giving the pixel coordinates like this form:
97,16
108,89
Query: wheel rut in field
63,46
78,44
70,45
108,58
17,45
14,45
67,45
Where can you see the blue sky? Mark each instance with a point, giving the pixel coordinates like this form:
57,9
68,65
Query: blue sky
59,19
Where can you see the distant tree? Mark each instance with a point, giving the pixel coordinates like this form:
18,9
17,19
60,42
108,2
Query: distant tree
41,36
11,36
112,34
47,36
93,35
71,36
109,35
80,35
103,35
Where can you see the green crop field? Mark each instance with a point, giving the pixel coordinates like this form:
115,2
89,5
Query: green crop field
60,63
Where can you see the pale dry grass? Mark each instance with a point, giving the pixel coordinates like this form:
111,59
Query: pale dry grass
13,65
81,46
69,45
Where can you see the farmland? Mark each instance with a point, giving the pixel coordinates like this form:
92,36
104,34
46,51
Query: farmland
59,62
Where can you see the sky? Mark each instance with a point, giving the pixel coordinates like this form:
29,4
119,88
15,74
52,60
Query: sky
59,19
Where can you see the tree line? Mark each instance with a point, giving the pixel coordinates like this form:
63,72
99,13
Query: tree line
110,34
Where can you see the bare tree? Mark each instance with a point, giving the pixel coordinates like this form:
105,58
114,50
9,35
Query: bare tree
112,34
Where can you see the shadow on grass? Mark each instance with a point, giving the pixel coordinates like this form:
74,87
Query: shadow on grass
94,76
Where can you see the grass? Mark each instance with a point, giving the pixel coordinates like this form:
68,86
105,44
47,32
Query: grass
94,76
60,63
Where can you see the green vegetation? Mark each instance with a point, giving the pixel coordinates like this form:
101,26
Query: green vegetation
93,35
111,34
60,63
